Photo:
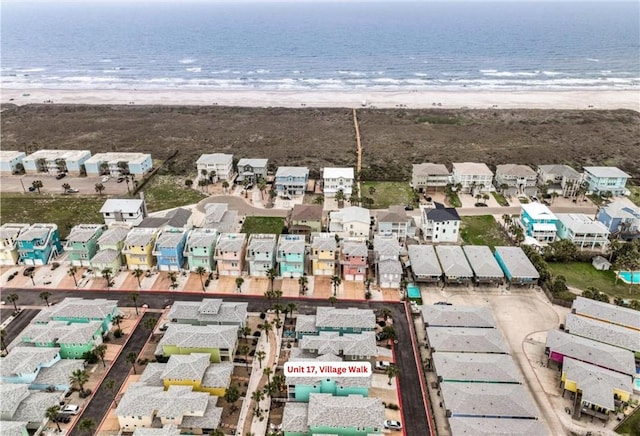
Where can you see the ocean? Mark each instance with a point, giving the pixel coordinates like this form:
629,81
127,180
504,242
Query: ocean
321,46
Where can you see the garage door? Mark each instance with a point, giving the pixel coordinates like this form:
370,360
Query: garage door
349,277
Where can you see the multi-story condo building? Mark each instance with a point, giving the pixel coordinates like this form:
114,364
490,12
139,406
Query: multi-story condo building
218,166
200,249
291,181
473,177
561,179
538,222
337,179
291,255
261,254
582,231
514,179
39,244
56,161
230,253
118,164
9,233
426,176
611,180
11,161
82,243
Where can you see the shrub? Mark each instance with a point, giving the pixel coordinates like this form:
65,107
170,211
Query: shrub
206,283
118,333
55,265
90,357
263,315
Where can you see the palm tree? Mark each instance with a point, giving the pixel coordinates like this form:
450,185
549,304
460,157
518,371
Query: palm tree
101,351
340,197
291,307
389,332
204,173
134,299
257,396
52,415
173,278
246,331
225,186
485,197
65,186
44,296
3,336
72,272
30,274
132,357
12,298
99,188
188,183
319,199
332,301
117,319
302,281
231,395
239,282
79,376
386,313
243,350
271,275
109,385
37,184
137,273
277,308
262,185
87,425
260,355
106,274
202,183
267,371
391,372
335,281
266,327
201,271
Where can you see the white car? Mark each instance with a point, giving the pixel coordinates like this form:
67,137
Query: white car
105,179
382,365
392,425
71,409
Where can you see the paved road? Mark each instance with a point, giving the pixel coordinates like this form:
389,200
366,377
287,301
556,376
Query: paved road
18,324
102,399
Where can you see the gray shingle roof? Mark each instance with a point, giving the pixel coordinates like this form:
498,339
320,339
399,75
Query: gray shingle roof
352,248
352,213
58,374
466,340
424,261
457,316
208,336
606,172
177,218
215,211
262,243
597,384
496,427
169,239
83,232
488,400
559,170
603,332
13,428
215,158
476,367
218,375
292,172
167,430
362,344
389,267
113,236
607,312
394,215
34,407
61,332
152,374
105,256
141,237
231,242
294,417
139,400
386,246
36,231
186,366
12,230
586,350
515,170
306,323
339,412
12,395
482,261
70,307
210,418
298,356
291,244
202,238
24,360
453,262
324,243
344,318
255,162
430,169
209,311
517,262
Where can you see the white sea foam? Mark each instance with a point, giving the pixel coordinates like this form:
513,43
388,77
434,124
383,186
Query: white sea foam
105,61
187,61
30,70
194,69
552,73
351,73
592,59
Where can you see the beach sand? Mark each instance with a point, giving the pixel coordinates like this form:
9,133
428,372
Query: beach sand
584,99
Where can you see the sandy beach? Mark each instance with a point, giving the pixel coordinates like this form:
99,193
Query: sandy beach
584,99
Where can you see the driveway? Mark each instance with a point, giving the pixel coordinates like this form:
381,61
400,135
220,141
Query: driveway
241,205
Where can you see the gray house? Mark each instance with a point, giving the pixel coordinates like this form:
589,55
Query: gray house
252,169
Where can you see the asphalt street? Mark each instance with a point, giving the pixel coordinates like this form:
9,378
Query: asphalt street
18,324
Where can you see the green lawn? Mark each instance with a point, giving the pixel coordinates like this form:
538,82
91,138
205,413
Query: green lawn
631,426
388,194
582,275
167,192
482,230
64,210
263,224
500,199
454,200
635,194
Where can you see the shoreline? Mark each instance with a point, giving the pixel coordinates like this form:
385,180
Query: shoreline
410,99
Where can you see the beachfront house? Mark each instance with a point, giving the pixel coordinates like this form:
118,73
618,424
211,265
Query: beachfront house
538,222
621,218
39,244
209,311
291,255
337,179
516,266
200,249
82,243
606,180
169,249
353,259
261,254
330,319
324,254
424,264
429,176
513,179
138,248
218,216
440,223
472,177
230,254
11,162
217,341
110,245
252,170
350,222
216,166
561,179
583,231
118,164
123,210
56,162
305,219
291,181
395,222
9,233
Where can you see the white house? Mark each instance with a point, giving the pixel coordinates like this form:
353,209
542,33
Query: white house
117,164
130,211
583,231
561,179
291,181
350,222
515,179
56,161
219,166
429,175
337,179
440,224
474,177
9,161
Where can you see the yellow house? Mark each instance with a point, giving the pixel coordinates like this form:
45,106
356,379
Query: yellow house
324,252
600,387
8,242
138,248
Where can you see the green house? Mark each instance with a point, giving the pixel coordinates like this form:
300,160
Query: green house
110,244
219,341
330,319
82,243
80,311
200,248
73,339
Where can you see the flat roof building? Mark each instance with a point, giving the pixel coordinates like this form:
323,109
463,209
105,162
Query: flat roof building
9,161
56,161
118,164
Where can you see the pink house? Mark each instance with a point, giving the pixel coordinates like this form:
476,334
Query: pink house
353,259
230,251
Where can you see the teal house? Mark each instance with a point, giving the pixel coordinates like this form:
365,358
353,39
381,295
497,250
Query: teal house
82,243
352,415
39,244
330,319
200,248
290,255
73,339
80,311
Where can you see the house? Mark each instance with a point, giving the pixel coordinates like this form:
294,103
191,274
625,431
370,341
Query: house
513,179
424,264
217,216
179,218
218,341
353,258
9,233
429,175
610,180
473,177
605,312
466,340
39,244
496,426
353,415
488,400
253,170
209,311
56,161
385,248
23,364
621,218
395,223
261,254
24,409
389,273
169,249
290,255
80,311
82,243
600,263
230,253
11,162
14,428
337,179
291,181
148,406
516,266
455,267
305,219
457,316
72,339
350,346
583,231
216,166
118,164
538,222
56,376
484,265
561,179
200,249
300,386
121,210
110,245
604,332
138,248
475,368
440,224
352,221
330,319
167,430
324,255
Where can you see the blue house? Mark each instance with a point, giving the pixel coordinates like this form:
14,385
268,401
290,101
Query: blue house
23,364
39,244
600,180
291,181
621,217
516,265
538,222
169,249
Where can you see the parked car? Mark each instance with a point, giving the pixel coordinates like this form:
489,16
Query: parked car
164,326
442,303
382,365
120,179
105,179
72,191
392,425
32,189
28,271
60,176
481,205
71,409
408,208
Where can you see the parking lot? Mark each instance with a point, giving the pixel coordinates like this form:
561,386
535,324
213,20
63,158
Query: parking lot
51,185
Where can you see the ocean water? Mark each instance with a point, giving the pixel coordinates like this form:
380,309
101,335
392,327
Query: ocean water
326,46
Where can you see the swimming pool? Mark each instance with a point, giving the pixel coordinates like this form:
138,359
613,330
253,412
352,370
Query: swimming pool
413,291
625,276
636,384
